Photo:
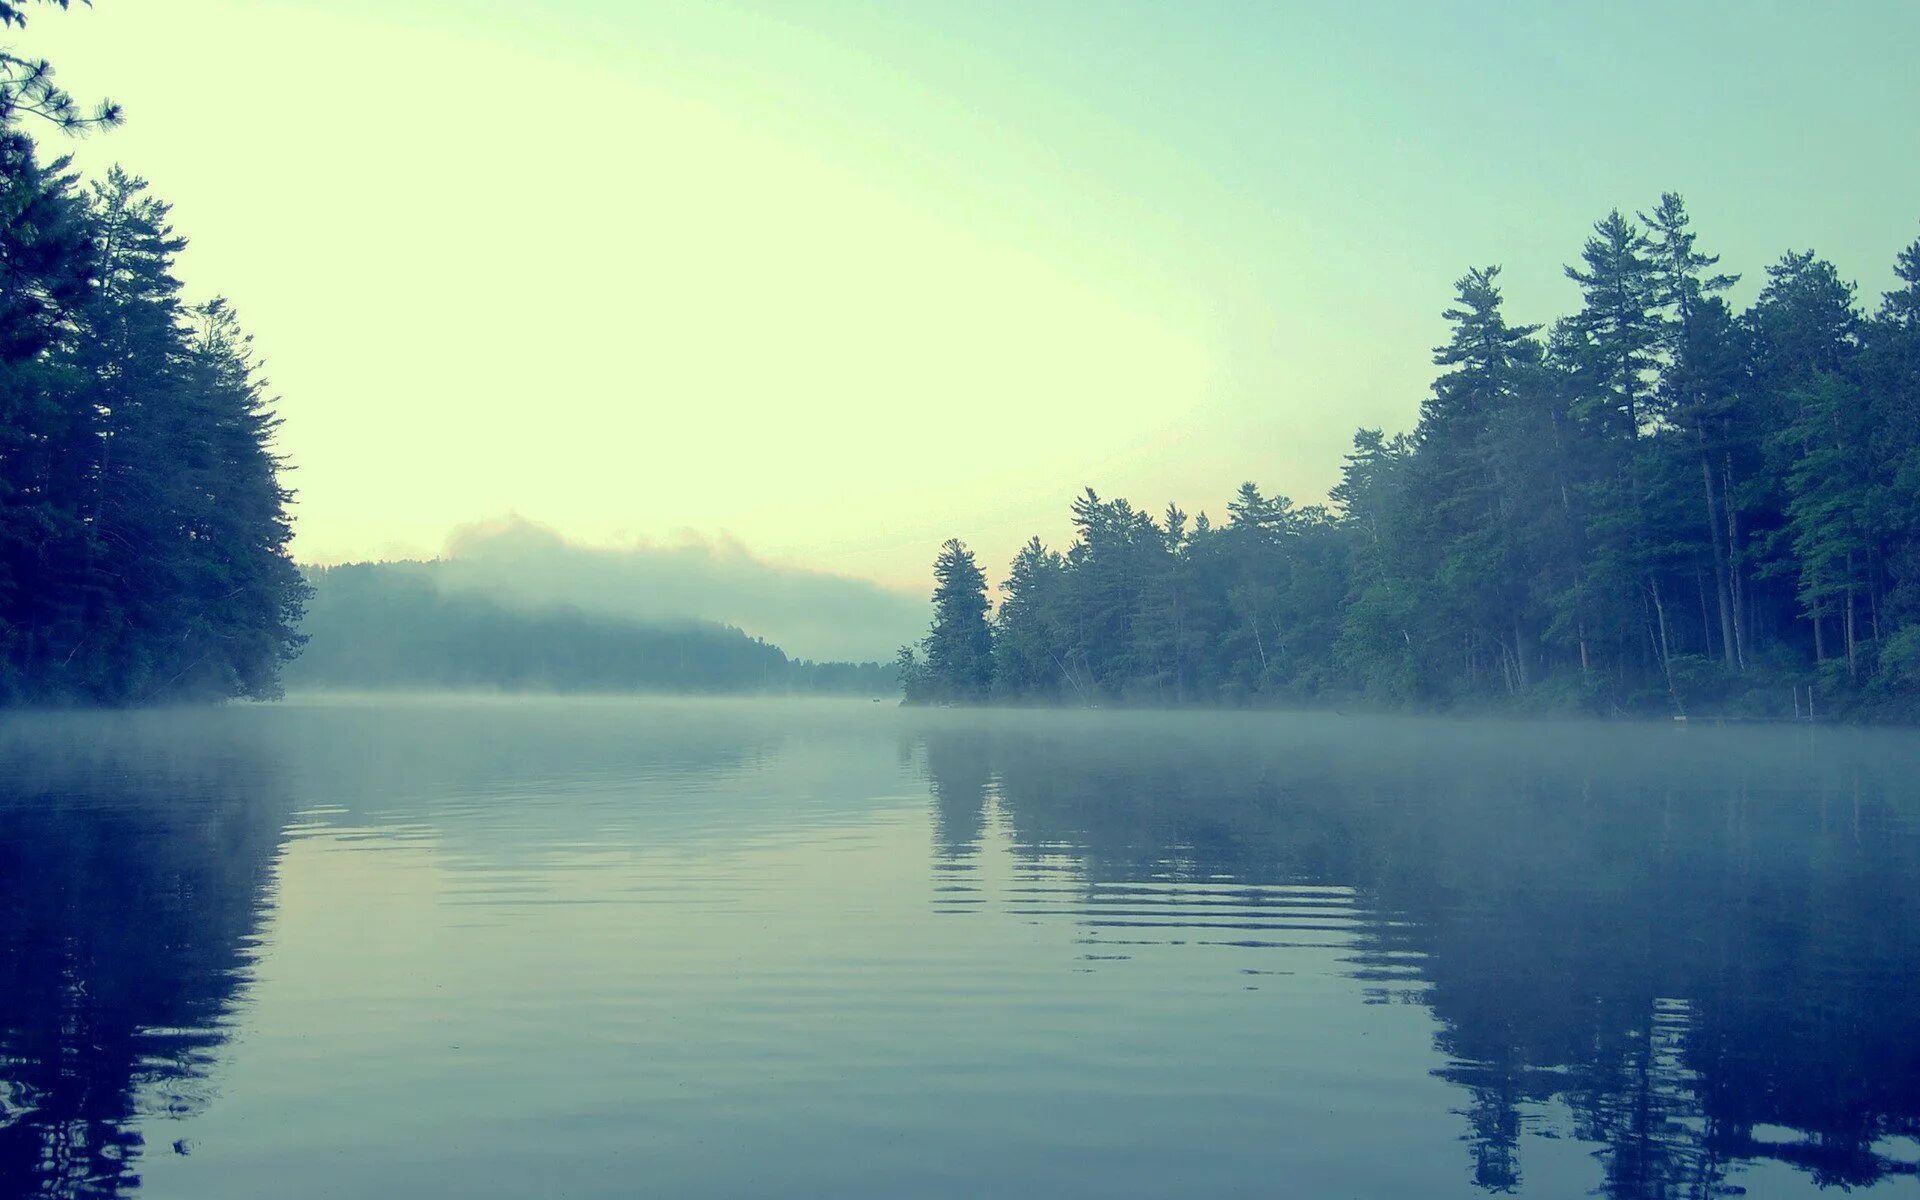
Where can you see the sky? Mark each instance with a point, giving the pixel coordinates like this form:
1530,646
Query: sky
828,282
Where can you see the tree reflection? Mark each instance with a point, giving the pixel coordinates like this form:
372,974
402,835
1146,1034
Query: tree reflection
1697,964
958,776
132,881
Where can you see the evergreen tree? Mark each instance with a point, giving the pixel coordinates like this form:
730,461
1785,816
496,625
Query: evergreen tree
1609,350
959,647
1665,505
1698,386
1891,370
143,529
1029,645
1616,331
1473,492
1804,329
27,87
1829,487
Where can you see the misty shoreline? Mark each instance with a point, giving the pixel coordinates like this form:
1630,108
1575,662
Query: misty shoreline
1458,716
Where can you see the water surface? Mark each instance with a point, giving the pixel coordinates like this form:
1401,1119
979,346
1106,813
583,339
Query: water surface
491,947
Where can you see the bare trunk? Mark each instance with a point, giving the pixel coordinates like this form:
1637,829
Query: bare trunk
1729,644
1846,625
1666,648
1742,629
1706,621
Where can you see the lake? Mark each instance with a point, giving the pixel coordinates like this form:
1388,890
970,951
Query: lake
493,947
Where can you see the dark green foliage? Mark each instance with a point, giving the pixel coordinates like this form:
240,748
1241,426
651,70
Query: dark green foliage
143,526
959,647
47,270
1659,505
390,625
27,87
1029,655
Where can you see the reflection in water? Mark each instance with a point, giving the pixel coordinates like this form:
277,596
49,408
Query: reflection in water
510,948
958,774
133,873
1689,957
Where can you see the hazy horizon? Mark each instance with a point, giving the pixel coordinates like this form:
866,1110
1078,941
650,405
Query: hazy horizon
809,613
1010,598
720,267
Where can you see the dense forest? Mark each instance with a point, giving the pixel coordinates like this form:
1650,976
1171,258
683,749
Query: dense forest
393,625
1656,504
143,525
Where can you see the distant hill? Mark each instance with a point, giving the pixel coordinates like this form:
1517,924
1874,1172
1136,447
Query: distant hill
808,612
392,625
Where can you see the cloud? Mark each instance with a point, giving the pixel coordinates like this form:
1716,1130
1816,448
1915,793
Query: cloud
807,613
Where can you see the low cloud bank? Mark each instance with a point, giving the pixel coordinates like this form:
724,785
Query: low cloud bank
809,614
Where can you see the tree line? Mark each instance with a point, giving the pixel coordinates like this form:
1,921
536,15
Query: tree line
143,523
394,625
1655,504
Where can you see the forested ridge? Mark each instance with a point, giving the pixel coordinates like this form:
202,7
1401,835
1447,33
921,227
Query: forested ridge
396,625
143,525
1656,504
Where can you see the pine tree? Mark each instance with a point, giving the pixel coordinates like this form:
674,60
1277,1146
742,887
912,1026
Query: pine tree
1828,487
1662,505
1891,369
27,87
1805,326
1617,330
1698,386
1471,490
1029,643
1610,351
960,644
143,529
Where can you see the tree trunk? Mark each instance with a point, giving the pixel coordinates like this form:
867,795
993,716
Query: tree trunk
1729,643
1846,625
1666,649
1742,613
1706,621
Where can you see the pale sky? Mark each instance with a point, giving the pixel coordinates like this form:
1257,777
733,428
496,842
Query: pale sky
840,280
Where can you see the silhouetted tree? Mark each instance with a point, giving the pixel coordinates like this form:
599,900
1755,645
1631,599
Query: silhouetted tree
1660,504
143,528
959,647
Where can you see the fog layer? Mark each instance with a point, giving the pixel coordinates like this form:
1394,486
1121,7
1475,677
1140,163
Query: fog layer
809,614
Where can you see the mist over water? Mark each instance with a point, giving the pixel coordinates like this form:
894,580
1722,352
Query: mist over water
504,947
1177,380
809,613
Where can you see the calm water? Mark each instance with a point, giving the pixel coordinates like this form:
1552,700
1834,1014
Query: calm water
617,948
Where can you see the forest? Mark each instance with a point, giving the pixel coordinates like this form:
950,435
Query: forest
1655,505
143,523
397,625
